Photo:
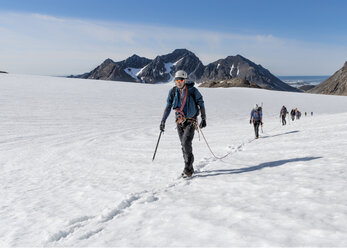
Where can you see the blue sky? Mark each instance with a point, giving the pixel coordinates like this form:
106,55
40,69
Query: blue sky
59,37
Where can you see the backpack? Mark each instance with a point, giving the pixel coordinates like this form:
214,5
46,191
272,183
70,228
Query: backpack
193,95
256,115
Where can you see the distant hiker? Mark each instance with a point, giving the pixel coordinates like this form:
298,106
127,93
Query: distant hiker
186,100
311,113
297,114
256,119
305,113
283,114
292,114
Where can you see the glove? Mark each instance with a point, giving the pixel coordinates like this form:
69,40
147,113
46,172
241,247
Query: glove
261,123
162,126
203,113
202,123
250,121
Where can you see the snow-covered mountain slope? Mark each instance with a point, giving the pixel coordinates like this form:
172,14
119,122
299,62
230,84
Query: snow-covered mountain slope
76,169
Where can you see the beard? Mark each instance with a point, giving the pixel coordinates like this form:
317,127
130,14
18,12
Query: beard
182,87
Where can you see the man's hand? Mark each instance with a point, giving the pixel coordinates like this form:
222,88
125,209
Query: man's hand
202,123
162,126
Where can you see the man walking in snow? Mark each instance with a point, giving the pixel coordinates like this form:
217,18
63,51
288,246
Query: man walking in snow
292,114
186,100
257,119
283,114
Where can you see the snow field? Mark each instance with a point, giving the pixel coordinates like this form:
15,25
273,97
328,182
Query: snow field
76,168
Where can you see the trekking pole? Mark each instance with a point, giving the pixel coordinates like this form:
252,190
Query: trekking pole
157,146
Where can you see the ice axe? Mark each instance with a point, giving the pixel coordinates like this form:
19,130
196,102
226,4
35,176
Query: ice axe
155,151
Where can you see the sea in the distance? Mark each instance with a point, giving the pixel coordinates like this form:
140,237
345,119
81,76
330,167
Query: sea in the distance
298,81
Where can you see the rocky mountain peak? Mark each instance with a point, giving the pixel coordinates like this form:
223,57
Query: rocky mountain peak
334,85
134,61
344,68
163,68
107,62
176,55
240,67
181,52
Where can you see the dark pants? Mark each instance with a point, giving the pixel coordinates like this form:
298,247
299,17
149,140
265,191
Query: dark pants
256,128
284,122
186,135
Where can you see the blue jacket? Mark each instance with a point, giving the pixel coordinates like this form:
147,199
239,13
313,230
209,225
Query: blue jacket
256,115
190,109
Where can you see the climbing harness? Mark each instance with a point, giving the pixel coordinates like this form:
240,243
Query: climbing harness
180,117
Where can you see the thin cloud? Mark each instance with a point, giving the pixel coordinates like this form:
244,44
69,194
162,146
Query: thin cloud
42,44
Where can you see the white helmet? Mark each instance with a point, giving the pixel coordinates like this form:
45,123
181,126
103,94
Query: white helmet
256,107
181,74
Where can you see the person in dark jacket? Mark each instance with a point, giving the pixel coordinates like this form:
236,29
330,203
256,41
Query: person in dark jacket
292,114
256,119
187,101
283,114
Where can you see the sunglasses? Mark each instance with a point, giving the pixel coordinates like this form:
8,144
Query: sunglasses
179,80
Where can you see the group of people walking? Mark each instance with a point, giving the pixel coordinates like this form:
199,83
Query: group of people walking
188,103
294,114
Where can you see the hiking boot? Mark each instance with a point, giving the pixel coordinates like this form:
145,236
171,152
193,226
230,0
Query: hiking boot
187,173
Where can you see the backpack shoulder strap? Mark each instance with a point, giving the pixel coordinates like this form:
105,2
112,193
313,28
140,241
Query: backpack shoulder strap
192,94
173,92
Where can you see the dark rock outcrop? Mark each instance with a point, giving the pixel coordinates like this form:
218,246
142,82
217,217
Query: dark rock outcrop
334,85
156,71
306,87
234,82
3,72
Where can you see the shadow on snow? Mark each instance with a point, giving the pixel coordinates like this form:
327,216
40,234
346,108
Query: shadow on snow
210,173
270,136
